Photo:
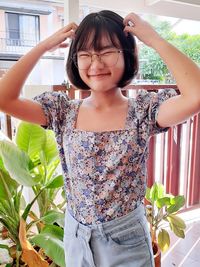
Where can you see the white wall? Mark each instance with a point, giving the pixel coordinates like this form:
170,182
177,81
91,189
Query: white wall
47,72
30,91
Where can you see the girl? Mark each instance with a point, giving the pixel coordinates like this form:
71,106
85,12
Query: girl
103,139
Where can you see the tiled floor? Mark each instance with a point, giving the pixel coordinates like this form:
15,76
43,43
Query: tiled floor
185,252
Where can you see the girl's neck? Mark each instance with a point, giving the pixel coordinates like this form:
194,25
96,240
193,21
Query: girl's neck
105,100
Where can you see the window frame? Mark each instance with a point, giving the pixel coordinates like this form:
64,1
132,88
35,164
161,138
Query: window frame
22,42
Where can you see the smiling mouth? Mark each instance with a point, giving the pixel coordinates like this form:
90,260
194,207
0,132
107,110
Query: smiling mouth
99,75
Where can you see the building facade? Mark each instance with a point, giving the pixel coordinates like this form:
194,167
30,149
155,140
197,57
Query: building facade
22,25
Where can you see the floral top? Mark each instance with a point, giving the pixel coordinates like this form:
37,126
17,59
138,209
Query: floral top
104,172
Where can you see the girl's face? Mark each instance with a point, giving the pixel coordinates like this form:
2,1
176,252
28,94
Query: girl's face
101,70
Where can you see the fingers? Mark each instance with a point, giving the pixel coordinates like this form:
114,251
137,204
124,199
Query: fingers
70,27
130,29
140,28
131,19
69,30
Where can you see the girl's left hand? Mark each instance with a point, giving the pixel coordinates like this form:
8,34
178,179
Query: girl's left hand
141,29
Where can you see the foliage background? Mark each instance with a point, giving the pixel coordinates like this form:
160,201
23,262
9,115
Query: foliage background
151,65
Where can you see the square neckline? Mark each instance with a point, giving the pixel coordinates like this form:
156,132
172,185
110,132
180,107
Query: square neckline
79,102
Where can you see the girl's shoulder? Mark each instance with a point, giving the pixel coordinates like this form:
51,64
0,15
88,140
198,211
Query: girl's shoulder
56,100
50,96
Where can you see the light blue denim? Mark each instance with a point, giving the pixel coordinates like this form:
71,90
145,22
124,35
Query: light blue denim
122,242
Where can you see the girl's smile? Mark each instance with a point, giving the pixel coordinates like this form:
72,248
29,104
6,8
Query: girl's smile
101,76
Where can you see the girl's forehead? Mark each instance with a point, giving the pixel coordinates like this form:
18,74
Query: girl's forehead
100,41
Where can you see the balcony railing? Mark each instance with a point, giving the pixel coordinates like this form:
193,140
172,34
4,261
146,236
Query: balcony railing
16,46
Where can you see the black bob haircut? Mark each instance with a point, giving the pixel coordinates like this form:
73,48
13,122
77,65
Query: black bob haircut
97,25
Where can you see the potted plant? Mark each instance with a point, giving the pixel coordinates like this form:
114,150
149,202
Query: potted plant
31,162
161,212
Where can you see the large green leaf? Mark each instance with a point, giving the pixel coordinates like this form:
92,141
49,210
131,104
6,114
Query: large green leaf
177,225
154,192
175,220
37,142
8,186
160,190
177,202
56,182
178,231
53,230
53,216
30,138
16,163
161,202
2,165
52,246
163,240
50,147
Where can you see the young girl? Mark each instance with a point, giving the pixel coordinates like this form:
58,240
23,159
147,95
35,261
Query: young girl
103,139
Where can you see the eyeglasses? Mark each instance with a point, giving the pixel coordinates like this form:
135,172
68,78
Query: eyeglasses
83,60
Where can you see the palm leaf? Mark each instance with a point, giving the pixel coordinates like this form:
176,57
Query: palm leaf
30,138
52,246
17,163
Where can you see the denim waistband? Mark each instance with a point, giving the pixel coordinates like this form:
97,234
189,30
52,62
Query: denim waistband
110,227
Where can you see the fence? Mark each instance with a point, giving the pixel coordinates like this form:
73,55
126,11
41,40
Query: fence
19,45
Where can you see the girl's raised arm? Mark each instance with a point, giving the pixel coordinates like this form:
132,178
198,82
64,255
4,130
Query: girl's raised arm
12,82
186,73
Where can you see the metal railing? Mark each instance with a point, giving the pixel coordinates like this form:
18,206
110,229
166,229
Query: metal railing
16,45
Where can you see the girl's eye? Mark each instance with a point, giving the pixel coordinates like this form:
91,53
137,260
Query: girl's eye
108,53
84,55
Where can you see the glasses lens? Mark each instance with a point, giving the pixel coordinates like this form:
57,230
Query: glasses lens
110,58
84,61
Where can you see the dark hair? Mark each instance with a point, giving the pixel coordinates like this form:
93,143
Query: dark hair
98,24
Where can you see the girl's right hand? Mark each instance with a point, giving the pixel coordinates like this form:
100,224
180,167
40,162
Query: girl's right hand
57,40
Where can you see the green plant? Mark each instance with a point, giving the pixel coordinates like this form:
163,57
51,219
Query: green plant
163,208
31,162
152,67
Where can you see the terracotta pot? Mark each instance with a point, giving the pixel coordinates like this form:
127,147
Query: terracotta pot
157,255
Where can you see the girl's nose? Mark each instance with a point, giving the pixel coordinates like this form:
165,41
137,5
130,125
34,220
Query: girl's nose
96,61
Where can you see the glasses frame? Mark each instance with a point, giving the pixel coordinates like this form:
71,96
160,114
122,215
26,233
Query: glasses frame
99,55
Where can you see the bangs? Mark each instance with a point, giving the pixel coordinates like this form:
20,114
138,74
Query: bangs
92,34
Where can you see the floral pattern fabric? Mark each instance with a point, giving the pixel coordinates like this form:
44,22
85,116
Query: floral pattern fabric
104,172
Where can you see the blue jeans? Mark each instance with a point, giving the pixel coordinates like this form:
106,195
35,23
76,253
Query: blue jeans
122,242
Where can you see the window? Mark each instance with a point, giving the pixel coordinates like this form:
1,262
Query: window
22,30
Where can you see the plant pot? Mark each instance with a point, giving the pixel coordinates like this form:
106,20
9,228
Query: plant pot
157,255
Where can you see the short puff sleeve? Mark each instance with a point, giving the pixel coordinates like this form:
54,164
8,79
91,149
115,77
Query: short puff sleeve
55,106
147,107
